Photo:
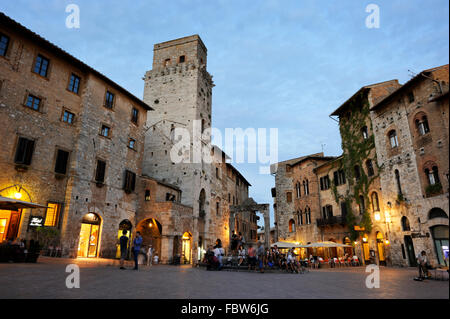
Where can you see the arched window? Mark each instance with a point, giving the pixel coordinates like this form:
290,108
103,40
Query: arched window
432,175
362,205
393,138
300,217
306,187
422,125
307,215
298,189
437,213
397,179
201,204
375,203
364,133
405,224
357,172
369,165
291,226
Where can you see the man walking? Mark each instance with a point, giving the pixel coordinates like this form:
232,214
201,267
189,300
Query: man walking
123,241
136,249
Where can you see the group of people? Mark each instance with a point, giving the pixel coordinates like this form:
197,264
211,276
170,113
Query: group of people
137,249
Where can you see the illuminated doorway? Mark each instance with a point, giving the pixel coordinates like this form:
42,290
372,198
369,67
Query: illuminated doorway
124,225
9,224
151,231
381,249
89,235
186,248
366,249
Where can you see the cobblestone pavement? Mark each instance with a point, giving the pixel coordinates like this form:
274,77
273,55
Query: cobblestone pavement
47,278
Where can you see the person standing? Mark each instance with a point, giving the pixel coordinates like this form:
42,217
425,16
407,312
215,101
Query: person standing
123,241
260,254
136,249
149,255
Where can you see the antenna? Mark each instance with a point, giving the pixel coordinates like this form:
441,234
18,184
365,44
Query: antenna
323,145
412,73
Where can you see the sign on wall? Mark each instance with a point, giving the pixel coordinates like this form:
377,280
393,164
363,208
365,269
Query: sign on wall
36,221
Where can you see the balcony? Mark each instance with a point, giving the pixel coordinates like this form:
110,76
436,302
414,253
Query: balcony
330,221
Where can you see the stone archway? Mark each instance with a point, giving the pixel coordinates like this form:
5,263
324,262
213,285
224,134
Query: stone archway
151,231
249,205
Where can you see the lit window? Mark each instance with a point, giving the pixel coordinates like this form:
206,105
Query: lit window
364,133
52,216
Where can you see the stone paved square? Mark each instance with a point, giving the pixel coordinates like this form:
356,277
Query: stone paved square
47,278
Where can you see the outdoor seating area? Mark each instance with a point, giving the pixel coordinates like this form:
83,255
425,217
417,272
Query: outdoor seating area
18,252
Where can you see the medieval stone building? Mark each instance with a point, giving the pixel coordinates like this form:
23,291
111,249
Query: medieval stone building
80,144
387,194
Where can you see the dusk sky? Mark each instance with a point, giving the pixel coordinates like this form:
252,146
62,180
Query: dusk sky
276,64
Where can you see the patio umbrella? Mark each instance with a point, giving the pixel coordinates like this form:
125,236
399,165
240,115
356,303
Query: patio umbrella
282,244
15,204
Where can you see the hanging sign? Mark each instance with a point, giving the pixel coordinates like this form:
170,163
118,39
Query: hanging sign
36,221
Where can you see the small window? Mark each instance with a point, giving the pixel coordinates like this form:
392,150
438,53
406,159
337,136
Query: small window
4,43
129,182
62,158
182,59
289,197
397,179
109,100
357,172
166,62
131,143
422,125
170,197
33,102
362,205
375,203
217,172
100,171
24,151
324,183
41,65
410,97
291,226
147,195
370,170
405,224
432,175
52,215
364,133
106,131
74,84
68,117
217,208
134,115
393,139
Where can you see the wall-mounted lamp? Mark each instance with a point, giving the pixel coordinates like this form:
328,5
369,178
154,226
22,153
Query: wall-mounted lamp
377,216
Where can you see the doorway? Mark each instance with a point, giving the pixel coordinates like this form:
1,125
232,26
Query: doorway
366,249
410,250
9,224
89,236
124,225
440,238
381,250
186,248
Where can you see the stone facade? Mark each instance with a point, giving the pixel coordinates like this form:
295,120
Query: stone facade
419,117
44,114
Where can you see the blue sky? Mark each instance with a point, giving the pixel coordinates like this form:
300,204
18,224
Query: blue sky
284,64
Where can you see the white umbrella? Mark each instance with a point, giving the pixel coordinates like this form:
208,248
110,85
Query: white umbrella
283,244
15,204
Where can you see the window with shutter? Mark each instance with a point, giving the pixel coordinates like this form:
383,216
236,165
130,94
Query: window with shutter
61,161
24,151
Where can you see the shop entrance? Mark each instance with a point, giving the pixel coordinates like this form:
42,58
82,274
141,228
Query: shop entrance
366,249
89,236
186,248
9,224
440,238
124,225
381,250
410,249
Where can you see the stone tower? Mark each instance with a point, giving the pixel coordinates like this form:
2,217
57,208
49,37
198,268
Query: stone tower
179,89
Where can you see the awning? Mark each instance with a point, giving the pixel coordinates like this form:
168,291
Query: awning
283,244
325,244
7,203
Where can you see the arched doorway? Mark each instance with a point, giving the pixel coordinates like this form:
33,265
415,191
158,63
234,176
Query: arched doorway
123,225
410,250
381,250
151,231
440,238
348,250
366,249
89,235
186,248
333,250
